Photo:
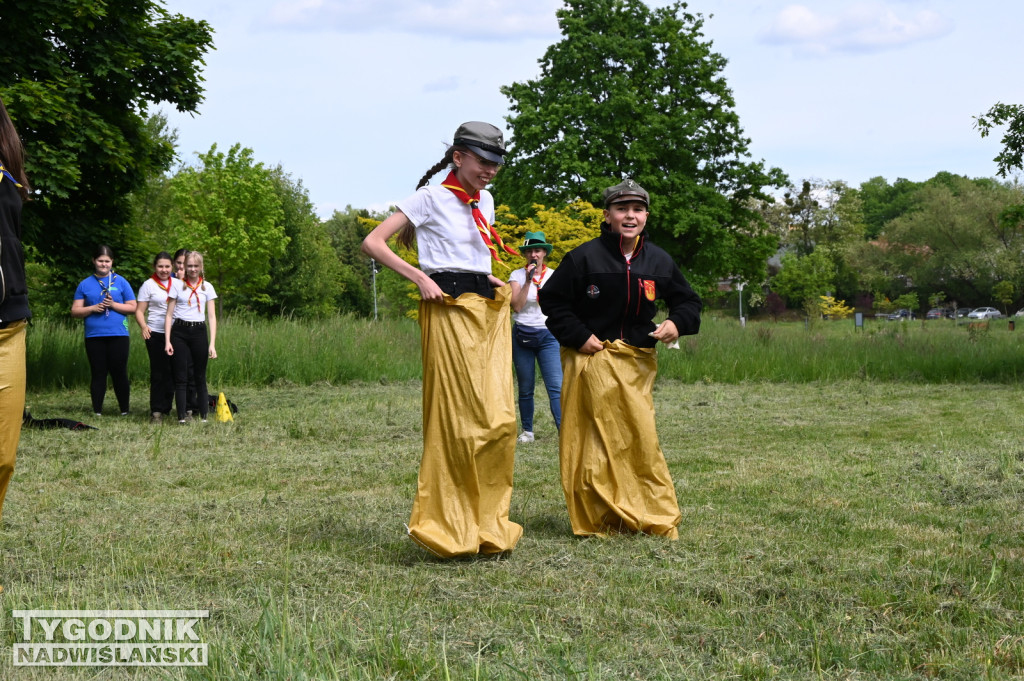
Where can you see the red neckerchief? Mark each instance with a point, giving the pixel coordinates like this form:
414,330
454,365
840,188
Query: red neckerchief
165,289
487,232
194,289
543,269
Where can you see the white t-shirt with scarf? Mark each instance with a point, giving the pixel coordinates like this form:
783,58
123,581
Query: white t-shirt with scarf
446,236
189,303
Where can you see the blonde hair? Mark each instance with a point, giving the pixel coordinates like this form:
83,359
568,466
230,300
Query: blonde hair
196,255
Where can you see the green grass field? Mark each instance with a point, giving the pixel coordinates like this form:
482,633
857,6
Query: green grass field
842,529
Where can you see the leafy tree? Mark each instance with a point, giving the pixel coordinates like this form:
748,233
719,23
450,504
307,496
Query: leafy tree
774,304
346,231
307,278
637,92
829,307
882,202
78,77
564,227
1012,116
805,278
958,238
228,207
1005,292
820,213
910,301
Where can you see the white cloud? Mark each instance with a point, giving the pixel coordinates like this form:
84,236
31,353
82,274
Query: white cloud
466,19
863,27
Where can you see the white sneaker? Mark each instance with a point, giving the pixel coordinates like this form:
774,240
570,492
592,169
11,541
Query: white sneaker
527,436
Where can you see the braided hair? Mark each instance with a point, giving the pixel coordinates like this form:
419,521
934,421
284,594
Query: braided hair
406,236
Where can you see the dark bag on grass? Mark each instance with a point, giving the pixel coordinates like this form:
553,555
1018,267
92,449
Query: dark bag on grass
213,403
29,422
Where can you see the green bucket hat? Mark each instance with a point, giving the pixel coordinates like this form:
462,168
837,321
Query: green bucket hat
536,240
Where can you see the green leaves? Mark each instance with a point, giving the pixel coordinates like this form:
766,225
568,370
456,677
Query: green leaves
78,77
228,208
1012,116
635,92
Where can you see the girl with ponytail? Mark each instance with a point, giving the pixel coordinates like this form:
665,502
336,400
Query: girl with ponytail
469,426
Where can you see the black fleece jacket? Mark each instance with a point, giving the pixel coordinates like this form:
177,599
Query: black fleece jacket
595,291
13,291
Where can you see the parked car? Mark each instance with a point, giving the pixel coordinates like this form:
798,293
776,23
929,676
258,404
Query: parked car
961,312
902,314
936,313
1020,313
984,313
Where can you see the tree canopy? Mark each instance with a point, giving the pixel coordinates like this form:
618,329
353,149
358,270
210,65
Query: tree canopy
1011,157
77,77
631,91
229,208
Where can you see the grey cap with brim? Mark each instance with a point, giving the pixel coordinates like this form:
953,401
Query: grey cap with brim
627,190
482,139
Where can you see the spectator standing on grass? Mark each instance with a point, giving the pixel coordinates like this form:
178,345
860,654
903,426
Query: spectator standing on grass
105,300
193,300
600,305
469,423
532,343
14,312
191,398
150,313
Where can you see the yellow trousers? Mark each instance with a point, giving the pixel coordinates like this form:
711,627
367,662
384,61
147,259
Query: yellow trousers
614,474
12,400
469,427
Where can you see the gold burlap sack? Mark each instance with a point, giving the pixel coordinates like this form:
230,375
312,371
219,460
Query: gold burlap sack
614,473
469,427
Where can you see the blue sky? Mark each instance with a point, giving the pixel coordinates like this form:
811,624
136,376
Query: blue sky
357,97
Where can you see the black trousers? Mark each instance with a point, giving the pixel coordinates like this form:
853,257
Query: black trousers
108,355
161,375
191,346
457,283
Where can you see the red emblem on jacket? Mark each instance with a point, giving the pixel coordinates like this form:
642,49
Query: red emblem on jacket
648,289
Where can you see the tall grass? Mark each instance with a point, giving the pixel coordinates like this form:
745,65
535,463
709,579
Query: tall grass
936,351
250,352
342,349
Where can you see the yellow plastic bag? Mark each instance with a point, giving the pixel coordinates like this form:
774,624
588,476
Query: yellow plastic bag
223,410
469,427
614,474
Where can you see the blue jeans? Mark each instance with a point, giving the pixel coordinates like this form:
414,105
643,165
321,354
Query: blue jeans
525,360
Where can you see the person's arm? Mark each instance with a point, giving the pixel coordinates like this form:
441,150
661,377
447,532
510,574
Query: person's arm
520,292
519,295
376,246
126,308
140,317
211,322
79,310
684,307
168,321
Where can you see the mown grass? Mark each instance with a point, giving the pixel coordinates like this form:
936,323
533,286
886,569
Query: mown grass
343,349
853,529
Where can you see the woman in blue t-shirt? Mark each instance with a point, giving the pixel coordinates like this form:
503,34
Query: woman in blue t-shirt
105,301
